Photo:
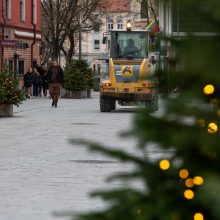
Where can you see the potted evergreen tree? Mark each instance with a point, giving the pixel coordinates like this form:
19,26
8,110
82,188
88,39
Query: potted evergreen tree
9,94
78,79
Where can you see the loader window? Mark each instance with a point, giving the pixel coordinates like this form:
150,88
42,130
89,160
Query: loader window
129,45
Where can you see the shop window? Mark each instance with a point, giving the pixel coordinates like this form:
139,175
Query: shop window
21,67
10,65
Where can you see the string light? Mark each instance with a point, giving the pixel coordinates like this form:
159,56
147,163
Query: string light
198,180
218,113
209,89
164,164
198,216
212,128
201,122
183,174
189,182
188,194
139,211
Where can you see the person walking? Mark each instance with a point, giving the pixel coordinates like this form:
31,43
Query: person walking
28,81
55,78
37,83
41,70
45,82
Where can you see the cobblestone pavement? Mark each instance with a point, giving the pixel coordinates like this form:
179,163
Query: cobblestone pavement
41,172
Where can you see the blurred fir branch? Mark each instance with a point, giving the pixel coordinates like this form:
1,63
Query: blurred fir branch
183,184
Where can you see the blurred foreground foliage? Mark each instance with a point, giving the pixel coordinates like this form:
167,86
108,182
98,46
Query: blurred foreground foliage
184,183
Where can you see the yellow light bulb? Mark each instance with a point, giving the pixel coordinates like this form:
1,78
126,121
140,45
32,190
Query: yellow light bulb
189,194
189,182
212,128
208,89
198,216
201,122
164,164
139,211
218,113
183,173
198,180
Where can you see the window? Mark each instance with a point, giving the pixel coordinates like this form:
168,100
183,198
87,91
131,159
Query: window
110,25
133,45
22,10
35,12
96,45
8,9
10,65
96,27
120,24
144,9
21,67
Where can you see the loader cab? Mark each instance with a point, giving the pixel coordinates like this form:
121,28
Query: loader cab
128,45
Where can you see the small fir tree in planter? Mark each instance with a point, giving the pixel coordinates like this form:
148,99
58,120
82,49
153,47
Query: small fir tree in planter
9,94
78,76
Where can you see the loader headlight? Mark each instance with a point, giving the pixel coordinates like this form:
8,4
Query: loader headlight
108,84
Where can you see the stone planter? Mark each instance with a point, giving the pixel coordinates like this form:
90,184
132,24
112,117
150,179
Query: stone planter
63,93
6,110
73,94
78,94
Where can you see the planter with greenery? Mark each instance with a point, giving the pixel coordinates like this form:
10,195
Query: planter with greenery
9,94
78,78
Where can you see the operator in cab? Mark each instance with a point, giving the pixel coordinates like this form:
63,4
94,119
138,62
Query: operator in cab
131,50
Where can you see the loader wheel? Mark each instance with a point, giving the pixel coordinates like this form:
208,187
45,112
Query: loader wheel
152,106
105,105
113,105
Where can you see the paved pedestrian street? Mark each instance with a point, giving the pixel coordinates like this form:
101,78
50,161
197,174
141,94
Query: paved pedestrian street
41,172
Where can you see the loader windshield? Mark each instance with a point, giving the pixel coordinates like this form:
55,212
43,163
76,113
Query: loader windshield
129,45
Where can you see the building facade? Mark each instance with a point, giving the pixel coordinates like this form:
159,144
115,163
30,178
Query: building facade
117,13
20,32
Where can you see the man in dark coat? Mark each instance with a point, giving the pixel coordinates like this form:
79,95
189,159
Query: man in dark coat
55,78
43,74
28,82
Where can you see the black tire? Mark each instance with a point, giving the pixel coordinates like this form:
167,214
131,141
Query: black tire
152,106
113,105
105,105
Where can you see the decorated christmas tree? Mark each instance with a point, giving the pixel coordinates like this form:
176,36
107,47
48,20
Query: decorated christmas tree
184,183
9,92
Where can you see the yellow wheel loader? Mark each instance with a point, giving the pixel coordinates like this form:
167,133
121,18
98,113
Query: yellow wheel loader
129,80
